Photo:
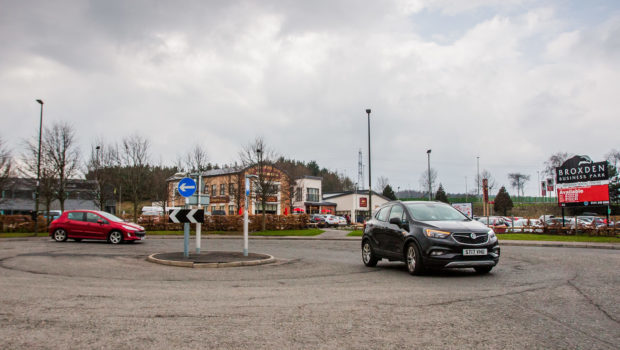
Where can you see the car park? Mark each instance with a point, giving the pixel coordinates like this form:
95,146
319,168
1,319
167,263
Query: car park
428,235
526,225
92,224
498,224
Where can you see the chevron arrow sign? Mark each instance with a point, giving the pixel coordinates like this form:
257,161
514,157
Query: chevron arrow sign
186,215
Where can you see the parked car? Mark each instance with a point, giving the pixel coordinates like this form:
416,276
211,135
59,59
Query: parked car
428,235
498,224
150,217
92,224
318,219
331,220
342,221
526,225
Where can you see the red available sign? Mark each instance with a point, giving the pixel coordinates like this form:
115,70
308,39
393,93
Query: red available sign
595,193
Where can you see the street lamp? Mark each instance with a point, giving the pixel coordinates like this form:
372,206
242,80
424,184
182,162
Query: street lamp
430,195
369,170
97,176
36,196
478,177
245,213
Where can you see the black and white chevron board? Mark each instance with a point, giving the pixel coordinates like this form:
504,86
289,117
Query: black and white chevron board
193,216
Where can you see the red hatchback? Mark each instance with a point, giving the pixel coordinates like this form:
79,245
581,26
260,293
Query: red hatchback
92,224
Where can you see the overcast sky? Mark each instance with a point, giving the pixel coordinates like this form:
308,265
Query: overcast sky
510,81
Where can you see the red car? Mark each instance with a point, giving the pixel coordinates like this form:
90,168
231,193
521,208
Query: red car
92,224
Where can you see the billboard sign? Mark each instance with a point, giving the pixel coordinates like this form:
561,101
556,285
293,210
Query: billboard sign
581,169
581,182
465,208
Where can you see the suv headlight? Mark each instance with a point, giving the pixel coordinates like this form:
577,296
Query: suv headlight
436,233
492,236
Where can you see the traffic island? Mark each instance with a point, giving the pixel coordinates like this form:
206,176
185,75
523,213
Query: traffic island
211,259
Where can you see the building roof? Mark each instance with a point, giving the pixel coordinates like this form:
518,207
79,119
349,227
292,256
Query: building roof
346,193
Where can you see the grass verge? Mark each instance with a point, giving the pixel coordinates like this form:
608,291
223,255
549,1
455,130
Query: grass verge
356,233
22,234
555,238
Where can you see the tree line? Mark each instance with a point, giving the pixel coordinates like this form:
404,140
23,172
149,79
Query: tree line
124,171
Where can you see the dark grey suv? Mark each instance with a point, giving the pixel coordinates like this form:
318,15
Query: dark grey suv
428,235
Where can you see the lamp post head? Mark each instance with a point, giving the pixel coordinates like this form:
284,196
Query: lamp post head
429,151
98,148
40,101
368,111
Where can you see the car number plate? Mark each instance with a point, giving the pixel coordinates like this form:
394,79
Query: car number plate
470,252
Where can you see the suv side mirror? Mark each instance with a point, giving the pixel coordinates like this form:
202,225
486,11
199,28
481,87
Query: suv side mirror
396,221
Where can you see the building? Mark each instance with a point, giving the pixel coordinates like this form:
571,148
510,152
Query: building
355,203
308,196
19,197
226,190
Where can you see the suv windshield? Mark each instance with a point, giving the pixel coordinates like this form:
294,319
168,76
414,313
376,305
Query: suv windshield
434,212
110,216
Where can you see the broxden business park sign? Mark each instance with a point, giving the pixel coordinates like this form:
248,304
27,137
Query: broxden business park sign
581,182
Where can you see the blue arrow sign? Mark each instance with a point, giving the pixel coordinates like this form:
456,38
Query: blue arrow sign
187,187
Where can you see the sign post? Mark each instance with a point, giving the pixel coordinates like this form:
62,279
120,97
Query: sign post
187,187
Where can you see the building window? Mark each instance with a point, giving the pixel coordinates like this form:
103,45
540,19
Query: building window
212,208
313,195
222,189
231,210
231,189
213,190
298,194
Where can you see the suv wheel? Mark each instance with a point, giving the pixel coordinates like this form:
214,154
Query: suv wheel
368,257
413,259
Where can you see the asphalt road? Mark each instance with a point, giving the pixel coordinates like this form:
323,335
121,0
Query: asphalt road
318,296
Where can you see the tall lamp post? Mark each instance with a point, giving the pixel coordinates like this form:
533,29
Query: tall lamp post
369,170
478,176
430,195
97,177
36,196
245,213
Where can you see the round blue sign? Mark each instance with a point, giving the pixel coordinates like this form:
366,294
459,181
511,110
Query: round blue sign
187,187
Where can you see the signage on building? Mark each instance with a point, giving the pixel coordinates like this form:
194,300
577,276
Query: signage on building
580,181
363,202
219,199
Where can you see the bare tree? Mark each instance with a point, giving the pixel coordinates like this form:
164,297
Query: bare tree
257,154
517,180
382,182
134,157
196,161
47,180
485,174
5,168
102,167
613,157
60,149
424,180
554,161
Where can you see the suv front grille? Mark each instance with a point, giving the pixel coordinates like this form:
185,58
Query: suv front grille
467,238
